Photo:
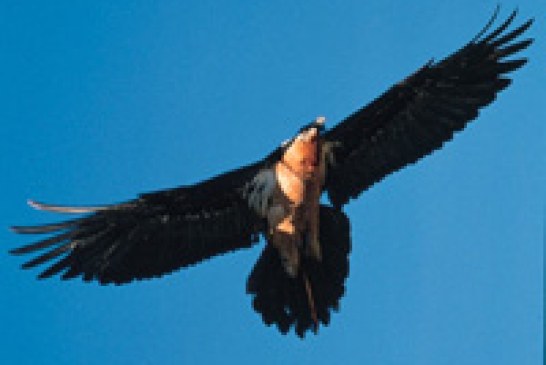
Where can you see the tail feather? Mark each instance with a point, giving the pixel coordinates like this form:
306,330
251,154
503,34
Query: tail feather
306,301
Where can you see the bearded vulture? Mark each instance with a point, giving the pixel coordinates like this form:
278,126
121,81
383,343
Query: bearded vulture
300,276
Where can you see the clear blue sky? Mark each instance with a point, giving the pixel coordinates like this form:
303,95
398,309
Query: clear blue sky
101,101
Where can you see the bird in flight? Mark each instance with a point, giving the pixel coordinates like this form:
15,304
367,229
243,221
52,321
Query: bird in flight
300,276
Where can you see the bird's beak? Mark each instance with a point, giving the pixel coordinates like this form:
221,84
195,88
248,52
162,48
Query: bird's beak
320,121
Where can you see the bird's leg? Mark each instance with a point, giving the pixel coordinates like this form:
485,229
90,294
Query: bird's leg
282,235
285,238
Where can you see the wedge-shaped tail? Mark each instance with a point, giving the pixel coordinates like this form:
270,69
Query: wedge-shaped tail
306,301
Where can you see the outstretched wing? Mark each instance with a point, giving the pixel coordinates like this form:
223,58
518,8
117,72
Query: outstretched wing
416,116
154,234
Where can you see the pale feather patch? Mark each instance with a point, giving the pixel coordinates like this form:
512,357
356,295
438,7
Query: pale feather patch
259,190
275,215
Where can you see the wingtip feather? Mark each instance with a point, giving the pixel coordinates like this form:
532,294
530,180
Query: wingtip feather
488,25
45,228
63,209
498,31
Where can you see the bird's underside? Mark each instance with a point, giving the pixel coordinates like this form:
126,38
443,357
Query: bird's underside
300,276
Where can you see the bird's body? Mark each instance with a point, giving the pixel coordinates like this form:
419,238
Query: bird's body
293,212
300,276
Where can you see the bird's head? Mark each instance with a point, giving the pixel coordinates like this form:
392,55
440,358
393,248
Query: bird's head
307,133
313,128
301,153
